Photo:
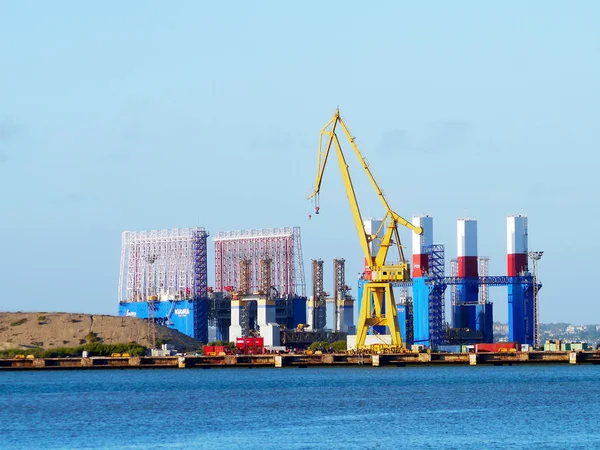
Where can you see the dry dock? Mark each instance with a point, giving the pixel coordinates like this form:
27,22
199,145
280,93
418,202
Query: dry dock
301,360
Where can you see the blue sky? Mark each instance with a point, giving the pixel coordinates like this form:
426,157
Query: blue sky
143,115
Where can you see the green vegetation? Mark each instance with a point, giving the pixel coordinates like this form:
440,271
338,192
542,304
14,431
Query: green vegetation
93,349
98,349
41,318
18,322
231,345
91,337
337,346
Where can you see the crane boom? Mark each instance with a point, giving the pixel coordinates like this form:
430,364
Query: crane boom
379,290
394,218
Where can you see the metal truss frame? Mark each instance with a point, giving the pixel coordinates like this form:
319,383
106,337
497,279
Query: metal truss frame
281,245
171,264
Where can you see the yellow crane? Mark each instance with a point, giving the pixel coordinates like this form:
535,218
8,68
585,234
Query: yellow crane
379,289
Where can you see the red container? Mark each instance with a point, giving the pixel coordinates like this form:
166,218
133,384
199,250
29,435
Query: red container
485,348
240,343
250,342
208,349
259,342
498,347
219,349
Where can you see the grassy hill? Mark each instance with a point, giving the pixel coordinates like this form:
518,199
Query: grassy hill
53,330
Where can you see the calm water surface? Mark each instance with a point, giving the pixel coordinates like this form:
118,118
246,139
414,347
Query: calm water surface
377,408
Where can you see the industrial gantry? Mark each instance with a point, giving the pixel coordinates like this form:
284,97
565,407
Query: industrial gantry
377,307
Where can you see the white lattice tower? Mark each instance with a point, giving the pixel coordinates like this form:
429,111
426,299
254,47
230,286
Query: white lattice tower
403,295
535,258
151,259
454,273
299,281
484,271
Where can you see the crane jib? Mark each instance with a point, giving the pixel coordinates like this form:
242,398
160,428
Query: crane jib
378,295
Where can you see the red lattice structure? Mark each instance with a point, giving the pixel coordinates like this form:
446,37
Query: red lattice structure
281,245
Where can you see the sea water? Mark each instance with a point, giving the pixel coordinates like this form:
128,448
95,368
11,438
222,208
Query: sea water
302,408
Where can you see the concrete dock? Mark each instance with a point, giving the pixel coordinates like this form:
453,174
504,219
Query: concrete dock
301,360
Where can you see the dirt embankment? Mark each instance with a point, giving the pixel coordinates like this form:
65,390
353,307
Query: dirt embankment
51,330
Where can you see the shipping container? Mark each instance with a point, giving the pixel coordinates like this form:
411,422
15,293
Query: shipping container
220,349
259,341
552,345
208,349
498,347
450,348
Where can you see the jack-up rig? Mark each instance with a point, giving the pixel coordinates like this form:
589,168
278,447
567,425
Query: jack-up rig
378,307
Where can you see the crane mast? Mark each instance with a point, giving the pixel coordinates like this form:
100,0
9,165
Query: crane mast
378,307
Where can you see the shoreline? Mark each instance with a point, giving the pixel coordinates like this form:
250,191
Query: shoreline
302,361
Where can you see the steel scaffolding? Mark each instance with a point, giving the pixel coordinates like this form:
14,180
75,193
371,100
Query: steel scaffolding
299,281
244,287
453,287
266,277
339,280
281,245
169,264
437,309
159,267
484,271
339,288
404,299
536,286
319,296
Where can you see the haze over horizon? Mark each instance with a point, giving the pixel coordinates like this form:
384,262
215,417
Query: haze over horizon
139,115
